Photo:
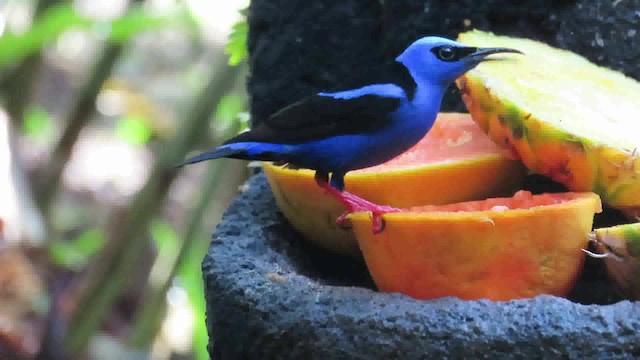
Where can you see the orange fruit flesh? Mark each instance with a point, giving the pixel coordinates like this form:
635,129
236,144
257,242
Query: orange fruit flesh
456,138
497,249
522,200
455,151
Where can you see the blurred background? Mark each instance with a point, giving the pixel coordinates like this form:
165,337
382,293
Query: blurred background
100,239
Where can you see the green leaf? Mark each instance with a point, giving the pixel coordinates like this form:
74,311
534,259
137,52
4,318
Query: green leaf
74,254
59,18
164,236
137,21
228,109
37,122
134,129
236,48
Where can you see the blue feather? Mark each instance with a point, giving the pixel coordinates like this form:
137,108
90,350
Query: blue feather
337,132
243,150
383,90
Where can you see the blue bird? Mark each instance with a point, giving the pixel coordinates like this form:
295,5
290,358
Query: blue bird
337,132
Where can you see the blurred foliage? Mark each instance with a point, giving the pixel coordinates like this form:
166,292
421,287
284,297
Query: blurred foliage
237,46
134,129
190,275
62,17
138,20
74,254
103,238
166,240
37,123
227,111
55,20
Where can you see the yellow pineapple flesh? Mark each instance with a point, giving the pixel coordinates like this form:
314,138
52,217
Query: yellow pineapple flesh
564,116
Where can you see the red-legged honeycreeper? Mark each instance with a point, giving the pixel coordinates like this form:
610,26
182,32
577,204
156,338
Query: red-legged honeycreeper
336,132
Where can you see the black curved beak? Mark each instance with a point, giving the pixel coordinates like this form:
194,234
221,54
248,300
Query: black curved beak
480,54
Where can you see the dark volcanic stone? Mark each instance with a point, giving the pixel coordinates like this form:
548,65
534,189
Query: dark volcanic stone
298,47
271,296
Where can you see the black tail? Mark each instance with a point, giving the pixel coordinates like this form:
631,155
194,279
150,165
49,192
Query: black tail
217,153
247,151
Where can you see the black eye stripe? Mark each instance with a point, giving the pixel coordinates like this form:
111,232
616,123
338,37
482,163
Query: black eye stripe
458,52
465,51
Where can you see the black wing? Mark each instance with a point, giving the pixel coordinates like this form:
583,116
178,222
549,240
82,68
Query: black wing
318,117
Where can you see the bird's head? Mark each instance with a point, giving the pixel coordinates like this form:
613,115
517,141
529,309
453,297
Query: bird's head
438,60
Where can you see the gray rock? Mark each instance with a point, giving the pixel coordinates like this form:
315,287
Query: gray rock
270,295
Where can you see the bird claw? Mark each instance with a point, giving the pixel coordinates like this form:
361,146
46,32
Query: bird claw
378,222
377,213
354,203
343,222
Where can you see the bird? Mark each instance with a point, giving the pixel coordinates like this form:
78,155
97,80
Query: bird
334,132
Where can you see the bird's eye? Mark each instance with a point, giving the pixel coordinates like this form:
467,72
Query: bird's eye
446,53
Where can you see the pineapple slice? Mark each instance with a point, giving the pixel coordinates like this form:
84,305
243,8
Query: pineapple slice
621,246
564,116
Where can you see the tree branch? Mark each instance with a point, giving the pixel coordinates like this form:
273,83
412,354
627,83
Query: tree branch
48,180
106,281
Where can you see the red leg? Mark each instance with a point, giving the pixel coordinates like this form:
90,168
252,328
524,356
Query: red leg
376,210
354,203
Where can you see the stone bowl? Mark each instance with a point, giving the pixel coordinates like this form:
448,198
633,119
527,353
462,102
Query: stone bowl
272,295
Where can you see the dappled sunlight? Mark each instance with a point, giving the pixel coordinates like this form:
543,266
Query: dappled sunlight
16,16
217,17
177,328
101,10
9,210
22,223
3,23
73,48
107,167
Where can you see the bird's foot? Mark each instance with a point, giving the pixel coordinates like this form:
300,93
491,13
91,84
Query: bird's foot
355,203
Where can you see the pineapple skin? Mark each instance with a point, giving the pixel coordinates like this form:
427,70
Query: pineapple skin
580,163
622,243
